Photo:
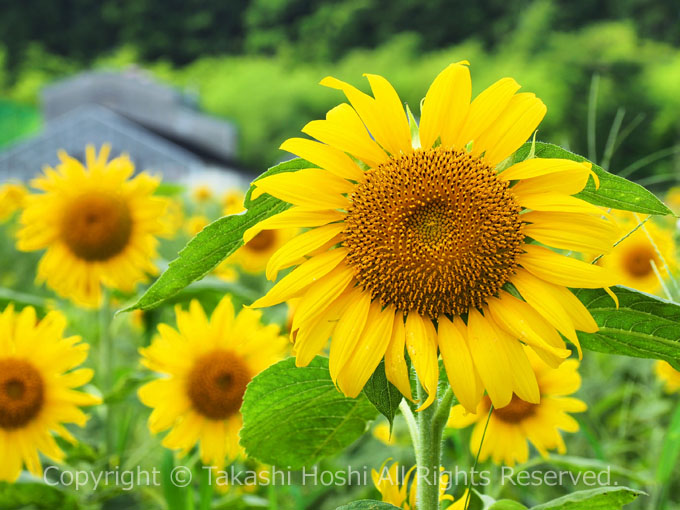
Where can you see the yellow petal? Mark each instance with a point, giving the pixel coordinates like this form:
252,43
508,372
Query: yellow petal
313,188
557,202
392,110
348,331
537,167
344,130
446,105
561,270
325,156
292,218
396,368
460,369
485,109
567,177
301,245
305,274
511,129
368,351
571,231
421,343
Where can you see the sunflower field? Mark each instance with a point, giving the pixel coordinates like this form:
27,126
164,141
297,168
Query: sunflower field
445,274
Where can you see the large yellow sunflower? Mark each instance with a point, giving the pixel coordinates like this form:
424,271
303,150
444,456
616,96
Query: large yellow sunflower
635,258
205,366
422,242
511,426
669,376
38,381
97,224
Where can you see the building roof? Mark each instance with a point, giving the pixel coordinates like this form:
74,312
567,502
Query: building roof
96,125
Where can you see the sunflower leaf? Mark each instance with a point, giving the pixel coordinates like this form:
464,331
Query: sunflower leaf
204,252
602,498
383,394
293,416
644,326
367,504
614,191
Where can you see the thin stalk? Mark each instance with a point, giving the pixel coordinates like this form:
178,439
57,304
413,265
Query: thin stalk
443,411
106,370
410,422
428,456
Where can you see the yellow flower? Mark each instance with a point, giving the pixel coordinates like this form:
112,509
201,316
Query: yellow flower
511,426
254,255
673,199
392,483
232,202
38,381
383,434
406,237
12,198
668,375
97,224
195,224
631,260
201,193
205,366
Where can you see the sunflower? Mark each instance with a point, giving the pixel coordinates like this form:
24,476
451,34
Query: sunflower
38,381
393,485
421,241
202,193
97,224
195,224
12,198
205,366
232,202
511,426
668,375
254,255
635,258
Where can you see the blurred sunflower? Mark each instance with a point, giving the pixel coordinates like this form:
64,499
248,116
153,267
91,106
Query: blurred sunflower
97,224
38,381
195,224
232,202
257,250
631,260
12,198
673,199
407,235
201,193
393,485
511,426
668,375
205,366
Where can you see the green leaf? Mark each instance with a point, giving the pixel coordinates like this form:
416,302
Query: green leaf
671,449
383,394
27,492
293,416
507,504
367,504
205,251
644,326
602,498
614,191
582,464
287,166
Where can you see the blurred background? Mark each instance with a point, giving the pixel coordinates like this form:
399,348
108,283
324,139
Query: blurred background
202,84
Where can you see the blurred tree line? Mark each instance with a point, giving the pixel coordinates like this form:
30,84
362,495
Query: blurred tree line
185,30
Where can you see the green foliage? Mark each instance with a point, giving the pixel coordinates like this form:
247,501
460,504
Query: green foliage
507,504
36,495
293,416
643,326
602,498
383,394
614,191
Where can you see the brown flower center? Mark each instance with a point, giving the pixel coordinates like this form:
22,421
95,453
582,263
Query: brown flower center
21,393
263,241
516,411
637,262
96,226
217,383
434,231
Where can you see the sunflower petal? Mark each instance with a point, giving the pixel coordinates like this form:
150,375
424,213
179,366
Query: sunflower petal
313,188
326,157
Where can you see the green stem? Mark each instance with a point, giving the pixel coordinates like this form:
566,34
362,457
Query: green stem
428,455
106,370
410,422
441,417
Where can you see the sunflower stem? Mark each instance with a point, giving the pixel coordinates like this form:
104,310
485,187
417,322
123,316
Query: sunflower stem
428,455
441,416
410,422
106,370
